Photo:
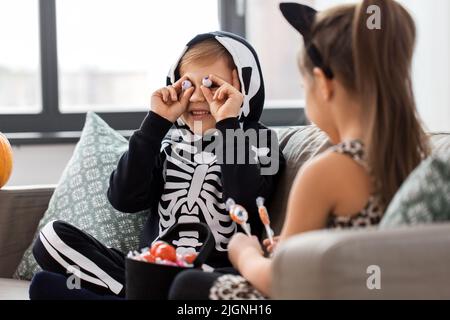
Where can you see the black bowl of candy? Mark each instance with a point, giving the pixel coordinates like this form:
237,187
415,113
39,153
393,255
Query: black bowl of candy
150,273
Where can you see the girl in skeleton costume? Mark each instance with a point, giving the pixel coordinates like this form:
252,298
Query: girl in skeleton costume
178,168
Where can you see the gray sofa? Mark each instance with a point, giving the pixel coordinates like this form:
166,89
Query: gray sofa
411,262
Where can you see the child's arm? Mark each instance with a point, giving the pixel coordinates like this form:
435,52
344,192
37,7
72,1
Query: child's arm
314,194
133,182
246,255
138,176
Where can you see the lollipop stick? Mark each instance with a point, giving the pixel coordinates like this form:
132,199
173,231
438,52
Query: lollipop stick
246,229
269,233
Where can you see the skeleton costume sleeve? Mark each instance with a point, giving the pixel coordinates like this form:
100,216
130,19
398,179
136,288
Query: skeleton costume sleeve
137,181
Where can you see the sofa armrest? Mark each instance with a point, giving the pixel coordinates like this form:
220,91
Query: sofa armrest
21,208
413,264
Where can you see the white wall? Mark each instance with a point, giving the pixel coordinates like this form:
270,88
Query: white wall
277,45
431,66
431,70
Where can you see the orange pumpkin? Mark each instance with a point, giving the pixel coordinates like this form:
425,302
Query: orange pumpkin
6,160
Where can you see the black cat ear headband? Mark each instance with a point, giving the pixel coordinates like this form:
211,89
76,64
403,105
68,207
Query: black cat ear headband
302,17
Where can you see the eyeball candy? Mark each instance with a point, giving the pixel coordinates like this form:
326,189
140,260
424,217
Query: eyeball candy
206,82
186,84
238,214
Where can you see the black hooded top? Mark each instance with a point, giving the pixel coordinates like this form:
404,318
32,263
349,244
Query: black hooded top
179,176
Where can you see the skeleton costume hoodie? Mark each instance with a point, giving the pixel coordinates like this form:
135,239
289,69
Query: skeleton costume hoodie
179,177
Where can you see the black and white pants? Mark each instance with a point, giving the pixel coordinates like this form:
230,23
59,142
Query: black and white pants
64,249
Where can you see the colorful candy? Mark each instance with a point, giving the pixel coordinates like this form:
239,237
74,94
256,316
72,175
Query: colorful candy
190,257
166,252
264,216
163,253
155,246
238,214
206,81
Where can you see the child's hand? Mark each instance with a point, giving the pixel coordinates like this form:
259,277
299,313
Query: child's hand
170,102
242,247
227,100
270,248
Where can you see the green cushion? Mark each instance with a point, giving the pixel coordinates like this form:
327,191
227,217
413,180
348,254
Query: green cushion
80,197
425,195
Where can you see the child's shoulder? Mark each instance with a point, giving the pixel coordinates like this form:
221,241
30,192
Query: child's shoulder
333,166
337,176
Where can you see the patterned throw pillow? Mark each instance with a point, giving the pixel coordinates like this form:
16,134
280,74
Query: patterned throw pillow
425,195
80,197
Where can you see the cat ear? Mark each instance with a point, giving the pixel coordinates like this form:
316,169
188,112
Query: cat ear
300,16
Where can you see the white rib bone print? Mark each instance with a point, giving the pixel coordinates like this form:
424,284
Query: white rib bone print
194,177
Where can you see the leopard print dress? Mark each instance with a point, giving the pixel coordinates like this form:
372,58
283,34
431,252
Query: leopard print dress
234,287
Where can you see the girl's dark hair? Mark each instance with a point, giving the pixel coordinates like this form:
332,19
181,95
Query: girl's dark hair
375,65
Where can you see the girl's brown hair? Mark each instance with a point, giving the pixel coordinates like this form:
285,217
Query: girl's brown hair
375,65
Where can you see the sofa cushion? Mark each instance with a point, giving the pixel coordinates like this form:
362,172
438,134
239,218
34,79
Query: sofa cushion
80,197
298,144
425,196
440,142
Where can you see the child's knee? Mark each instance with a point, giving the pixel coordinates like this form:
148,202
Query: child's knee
183,284
39,285
48,235
192,285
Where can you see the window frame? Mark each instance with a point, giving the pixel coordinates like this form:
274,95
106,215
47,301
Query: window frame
52,126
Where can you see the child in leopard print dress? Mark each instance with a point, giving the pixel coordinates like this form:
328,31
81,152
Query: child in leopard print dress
358,91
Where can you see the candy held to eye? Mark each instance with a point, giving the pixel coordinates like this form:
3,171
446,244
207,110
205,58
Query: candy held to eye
186,84
207,82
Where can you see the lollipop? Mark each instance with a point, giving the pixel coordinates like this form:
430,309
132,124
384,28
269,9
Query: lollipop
238,214
206,81
264,216
186,84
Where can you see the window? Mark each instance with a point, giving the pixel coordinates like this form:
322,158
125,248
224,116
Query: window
113,54
277,45
19,57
